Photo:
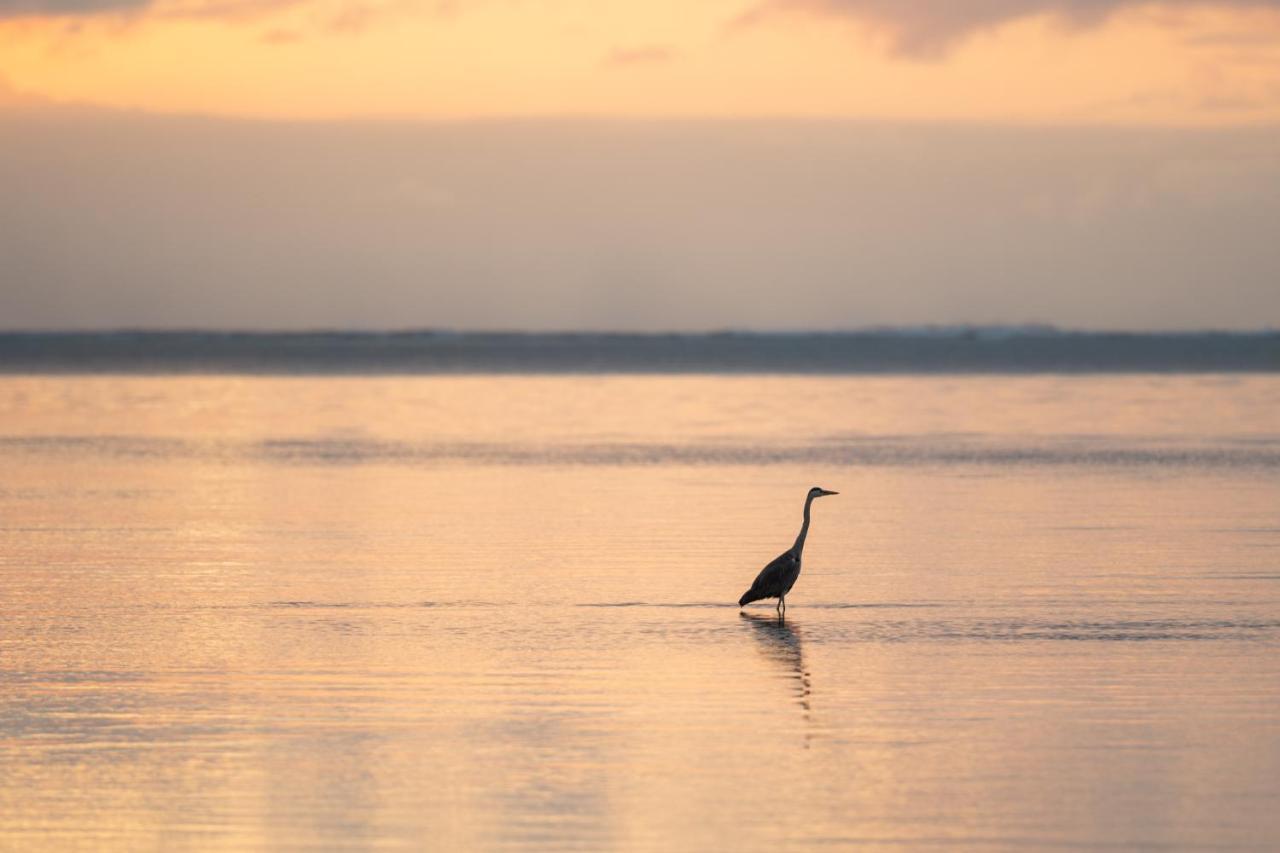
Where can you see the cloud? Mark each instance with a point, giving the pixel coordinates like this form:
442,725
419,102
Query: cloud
280,36
206,9
321,17
353,17
645,55
929,27
1234,39
66,8
222,10
12,98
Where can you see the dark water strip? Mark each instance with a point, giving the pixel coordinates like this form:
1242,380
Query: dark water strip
1120,452
932,350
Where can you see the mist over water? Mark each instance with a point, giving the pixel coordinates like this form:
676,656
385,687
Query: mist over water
498,610
121,220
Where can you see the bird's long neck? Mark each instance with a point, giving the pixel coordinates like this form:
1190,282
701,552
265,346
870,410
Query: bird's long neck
804,528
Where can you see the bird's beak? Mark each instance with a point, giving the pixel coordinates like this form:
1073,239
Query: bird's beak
825,493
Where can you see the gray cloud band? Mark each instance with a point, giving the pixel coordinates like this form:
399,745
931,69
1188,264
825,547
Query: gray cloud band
926,26
65,8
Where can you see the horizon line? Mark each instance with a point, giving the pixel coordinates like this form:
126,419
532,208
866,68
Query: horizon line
1029,327
28,104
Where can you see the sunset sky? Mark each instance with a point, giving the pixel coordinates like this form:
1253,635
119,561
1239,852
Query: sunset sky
1022,60
1088,162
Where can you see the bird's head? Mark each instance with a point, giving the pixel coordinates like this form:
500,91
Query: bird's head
816,492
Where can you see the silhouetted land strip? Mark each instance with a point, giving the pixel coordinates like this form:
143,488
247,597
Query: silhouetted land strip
976,350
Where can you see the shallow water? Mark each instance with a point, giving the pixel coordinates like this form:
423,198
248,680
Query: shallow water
499,611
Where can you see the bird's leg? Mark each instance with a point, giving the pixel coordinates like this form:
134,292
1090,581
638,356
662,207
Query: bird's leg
782,606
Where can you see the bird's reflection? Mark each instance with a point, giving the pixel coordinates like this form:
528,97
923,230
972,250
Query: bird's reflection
781,641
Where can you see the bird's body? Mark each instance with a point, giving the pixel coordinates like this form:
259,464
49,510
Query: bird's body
776,579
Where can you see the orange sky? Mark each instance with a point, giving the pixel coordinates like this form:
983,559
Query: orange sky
1167,63
1089,163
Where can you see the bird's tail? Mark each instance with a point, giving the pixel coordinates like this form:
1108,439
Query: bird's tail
748,597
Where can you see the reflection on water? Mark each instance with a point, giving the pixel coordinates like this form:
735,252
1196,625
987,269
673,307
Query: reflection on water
468,612
780,640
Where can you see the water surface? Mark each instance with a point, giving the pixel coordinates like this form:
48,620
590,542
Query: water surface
478,611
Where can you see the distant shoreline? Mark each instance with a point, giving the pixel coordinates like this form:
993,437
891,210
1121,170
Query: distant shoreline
956,350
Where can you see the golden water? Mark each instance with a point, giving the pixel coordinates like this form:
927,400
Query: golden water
477,612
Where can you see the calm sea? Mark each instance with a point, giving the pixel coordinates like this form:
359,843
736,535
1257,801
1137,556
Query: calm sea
477,612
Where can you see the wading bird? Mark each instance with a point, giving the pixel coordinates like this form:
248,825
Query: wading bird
776,579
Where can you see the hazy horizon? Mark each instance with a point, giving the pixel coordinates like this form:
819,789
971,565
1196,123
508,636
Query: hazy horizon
119,219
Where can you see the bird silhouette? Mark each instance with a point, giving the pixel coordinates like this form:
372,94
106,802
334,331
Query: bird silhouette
776,579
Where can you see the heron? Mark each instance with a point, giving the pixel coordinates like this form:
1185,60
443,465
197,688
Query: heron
776,579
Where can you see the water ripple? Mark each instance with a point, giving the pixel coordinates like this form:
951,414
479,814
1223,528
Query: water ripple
1057,451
